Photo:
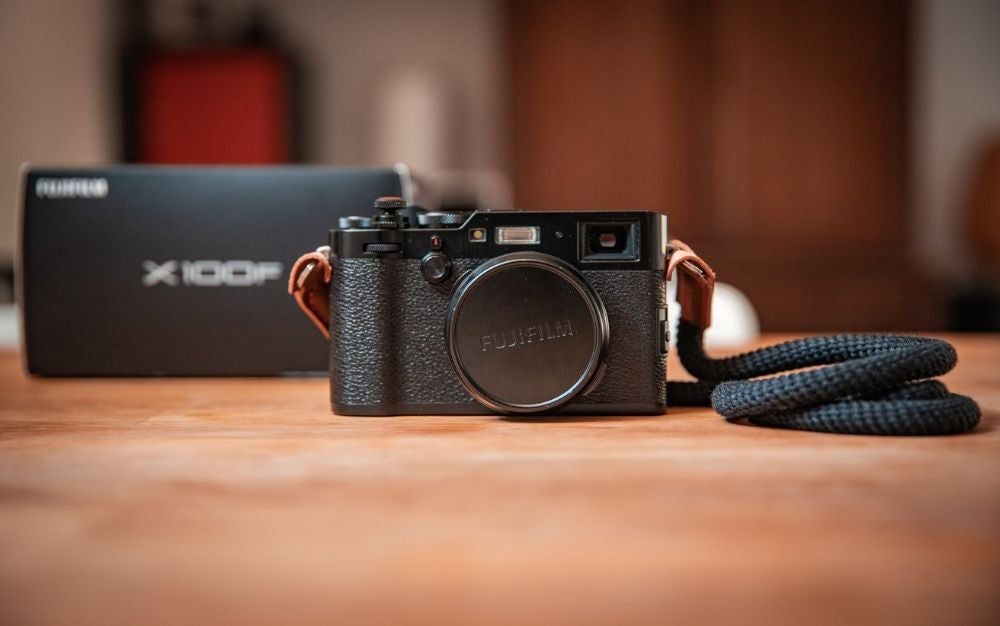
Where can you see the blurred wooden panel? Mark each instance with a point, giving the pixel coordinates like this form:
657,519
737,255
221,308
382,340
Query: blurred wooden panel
597,89
808,127
773,134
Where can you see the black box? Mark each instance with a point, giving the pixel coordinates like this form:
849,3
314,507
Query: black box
177,271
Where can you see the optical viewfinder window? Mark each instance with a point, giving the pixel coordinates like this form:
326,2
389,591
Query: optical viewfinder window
609,241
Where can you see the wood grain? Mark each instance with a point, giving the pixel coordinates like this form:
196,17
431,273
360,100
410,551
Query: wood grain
246,502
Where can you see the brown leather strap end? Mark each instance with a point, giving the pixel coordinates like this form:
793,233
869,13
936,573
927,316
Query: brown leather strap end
695,284
309,284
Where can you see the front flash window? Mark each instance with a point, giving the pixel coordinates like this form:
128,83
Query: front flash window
518,235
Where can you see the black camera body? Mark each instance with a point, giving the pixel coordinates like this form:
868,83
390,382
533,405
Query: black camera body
517,312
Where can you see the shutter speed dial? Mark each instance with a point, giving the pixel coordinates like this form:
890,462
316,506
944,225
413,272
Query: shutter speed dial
440,219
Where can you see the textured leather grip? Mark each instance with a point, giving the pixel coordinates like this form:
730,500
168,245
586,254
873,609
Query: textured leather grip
309,284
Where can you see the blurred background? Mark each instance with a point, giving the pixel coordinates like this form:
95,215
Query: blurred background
837,161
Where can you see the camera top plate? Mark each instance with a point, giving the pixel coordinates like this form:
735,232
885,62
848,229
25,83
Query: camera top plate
567,235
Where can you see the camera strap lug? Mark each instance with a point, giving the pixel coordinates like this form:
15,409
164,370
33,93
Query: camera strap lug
695,283
309,284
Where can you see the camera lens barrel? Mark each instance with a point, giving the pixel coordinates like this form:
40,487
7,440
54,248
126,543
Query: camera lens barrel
526,333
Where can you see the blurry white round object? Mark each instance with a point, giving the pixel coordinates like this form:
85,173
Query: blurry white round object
10,327
734,320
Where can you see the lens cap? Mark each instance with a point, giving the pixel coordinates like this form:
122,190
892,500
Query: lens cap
526,333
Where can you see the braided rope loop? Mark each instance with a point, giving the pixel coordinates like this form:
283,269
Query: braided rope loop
859,384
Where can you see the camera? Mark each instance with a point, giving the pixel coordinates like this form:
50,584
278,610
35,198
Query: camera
515,312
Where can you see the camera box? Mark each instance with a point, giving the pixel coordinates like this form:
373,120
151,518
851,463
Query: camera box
177,271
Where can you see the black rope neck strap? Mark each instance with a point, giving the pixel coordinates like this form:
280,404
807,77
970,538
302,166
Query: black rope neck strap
870,385
867,384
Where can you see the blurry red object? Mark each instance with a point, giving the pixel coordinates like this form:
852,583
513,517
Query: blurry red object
215,107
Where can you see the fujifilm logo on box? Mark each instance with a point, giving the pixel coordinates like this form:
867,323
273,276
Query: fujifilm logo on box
71,187
178,271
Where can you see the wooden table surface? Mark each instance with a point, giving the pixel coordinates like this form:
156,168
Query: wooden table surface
245,501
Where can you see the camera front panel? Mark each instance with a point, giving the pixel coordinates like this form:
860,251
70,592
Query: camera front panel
389,353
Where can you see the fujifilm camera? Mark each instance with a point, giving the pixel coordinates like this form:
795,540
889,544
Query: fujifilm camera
516,312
